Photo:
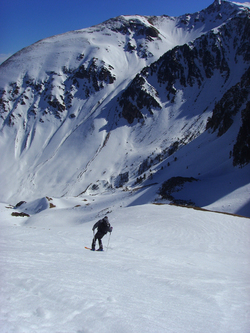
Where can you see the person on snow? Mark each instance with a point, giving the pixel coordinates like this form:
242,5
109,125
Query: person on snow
103,226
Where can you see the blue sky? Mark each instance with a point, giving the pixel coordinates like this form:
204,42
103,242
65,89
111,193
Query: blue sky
24,22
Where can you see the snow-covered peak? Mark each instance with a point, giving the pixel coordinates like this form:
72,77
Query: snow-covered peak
131,101
112,36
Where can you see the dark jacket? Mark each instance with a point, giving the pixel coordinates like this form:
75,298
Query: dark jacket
103,226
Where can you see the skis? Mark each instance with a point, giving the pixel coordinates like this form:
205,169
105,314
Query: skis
88,248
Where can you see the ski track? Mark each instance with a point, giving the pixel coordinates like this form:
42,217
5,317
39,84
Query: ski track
167,269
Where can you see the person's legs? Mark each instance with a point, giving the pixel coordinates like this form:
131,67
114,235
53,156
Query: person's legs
98,236
93,243
100,244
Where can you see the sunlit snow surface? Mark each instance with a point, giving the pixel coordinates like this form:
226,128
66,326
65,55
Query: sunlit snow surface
167,269
92,144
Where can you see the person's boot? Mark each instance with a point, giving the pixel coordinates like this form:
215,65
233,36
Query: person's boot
100,249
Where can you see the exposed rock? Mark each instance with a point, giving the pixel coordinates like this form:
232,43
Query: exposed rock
135,98
17,214
241,150
174,184
230,105
20,203
121,179
94,74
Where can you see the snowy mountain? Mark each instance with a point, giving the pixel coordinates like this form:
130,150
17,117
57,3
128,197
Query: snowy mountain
133,118
155,103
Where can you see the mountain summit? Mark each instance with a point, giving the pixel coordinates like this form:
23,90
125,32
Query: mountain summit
160,105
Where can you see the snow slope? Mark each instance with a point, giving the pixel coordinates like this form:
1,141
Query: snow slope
64,130
167,269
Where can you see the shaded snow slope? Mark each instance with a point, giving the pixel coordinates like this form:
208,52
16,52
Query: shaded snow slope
167,269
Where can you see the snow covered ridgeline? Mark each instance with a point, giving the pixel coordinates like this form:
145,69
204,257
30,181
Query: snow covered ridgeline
132,100
168,269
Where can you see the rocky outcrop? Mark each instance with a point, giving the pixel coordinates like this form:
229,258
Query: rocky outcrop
96,75
241,150
230,104
55,94
175,184
136,97
188,65
121,179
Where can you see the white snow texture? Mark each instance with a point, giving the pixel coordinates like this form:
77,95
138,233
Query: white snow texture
167,269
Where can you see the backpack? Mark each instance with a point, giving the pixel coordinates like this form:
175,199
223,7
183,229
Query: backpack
104,226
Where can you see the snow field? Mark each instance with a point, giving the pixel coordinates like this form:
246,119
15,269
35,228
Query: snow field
167,269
